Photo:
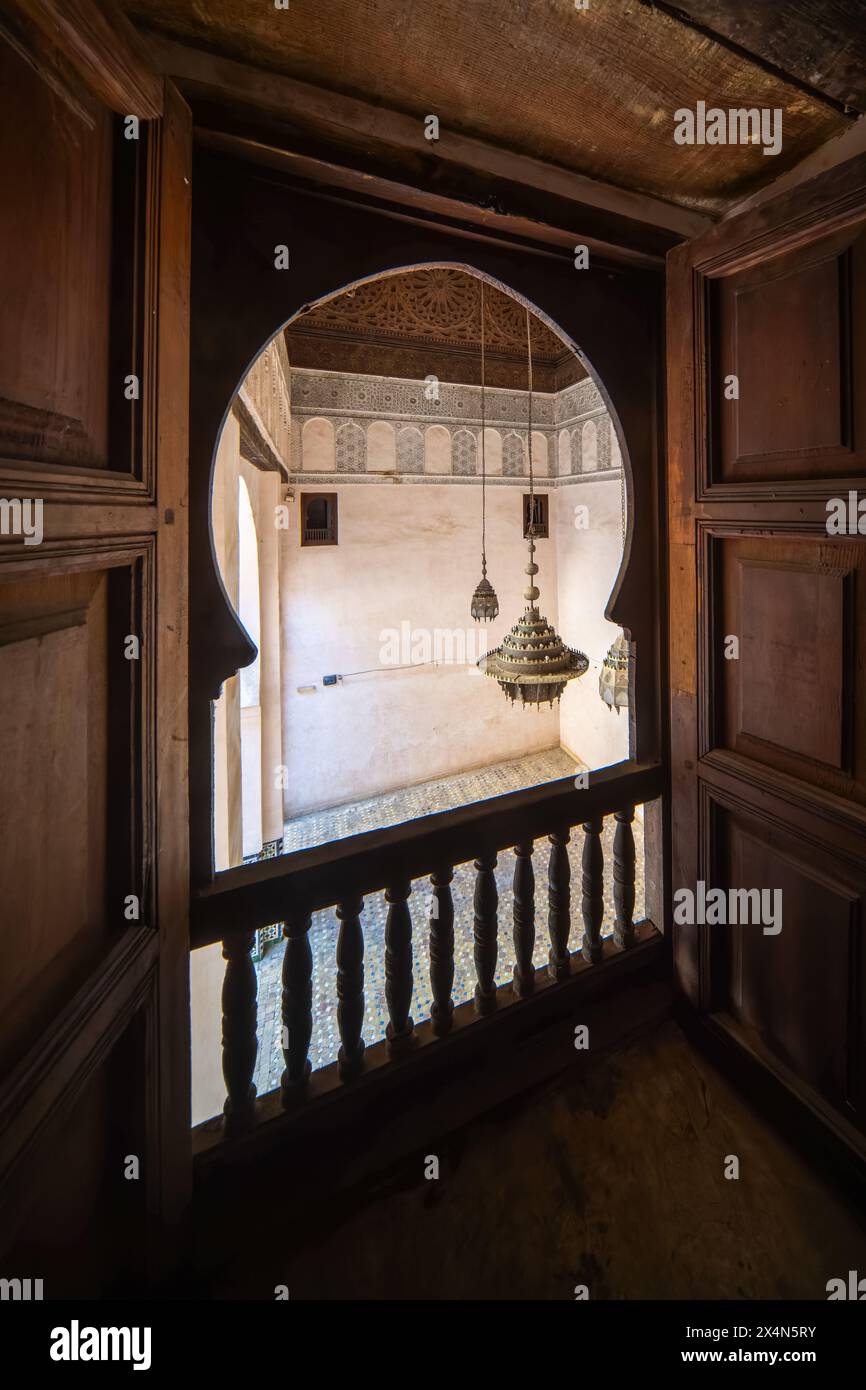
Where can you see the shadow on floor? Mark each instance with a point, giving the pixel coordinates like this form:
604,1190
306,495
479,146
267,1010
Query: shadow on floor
614,1178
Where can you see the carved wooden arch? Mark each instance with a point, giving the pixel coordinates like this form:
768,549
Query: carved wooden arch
608,315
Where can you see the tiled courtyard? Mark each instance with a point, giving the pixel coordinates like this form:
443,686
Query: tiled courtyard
391,809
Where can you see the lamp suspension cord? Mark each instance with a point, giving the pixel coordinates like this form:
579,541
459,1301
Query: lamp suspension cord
483,451
529,440
531,526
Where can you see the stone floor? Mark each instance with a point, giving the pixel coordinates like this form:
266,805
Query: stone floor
390,809
426,798
612,1178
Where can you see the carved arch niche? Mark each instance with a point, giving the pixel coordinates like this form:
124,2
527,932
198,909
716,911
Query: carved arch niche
615,321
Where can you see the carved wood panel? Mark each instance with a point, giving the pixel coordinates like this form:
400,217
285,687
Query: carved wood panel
77,325
78,773
69,1212
767,663
93,814
786,694
789,329
795,978
54,328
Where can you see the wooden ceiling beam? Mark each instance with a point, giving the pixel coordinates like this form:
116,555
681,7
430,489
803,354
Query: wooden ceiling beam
85,50
323,178
816,46
360,130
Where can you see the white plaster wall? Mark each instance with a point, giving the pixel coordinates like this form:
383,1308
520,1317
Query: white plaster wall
409,553
588,563
251,778
207,969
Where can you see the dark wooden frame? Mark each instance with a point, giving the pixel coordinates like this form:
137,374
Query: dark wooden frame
703,512
339,238
543,527
130,517
332,498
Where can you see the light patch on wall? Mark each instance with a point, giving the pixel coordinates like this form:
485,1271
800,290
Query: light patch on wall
493,453
437,449
381,448
539,454
317,447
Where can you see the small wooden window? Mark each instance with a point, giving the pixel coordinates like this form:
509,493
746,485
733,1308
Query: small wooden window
318,518
535,511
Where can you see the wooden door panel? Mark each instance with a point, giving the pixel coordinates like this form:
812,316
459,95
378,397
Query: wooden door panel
790,330
798,987
768,743
789,698
56,276
72,721
89,1094
93,813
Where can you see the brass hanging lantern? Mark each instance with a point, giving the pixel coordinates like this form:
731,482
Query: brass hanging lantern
613,680
485,604
533,664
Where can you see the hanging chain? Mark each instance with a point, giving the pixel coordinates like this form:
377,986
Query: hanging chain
529,372
483,450
531,529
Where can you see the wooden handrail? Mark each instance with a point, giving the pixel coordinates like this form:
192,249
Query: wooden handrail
254,895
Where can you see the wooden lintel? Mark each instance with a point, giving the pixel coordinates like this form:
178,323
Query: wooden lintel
462,218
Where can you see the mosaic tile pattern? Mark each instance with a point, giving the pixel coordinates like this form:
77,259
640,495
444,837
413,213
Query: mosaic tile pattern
390,810
442,794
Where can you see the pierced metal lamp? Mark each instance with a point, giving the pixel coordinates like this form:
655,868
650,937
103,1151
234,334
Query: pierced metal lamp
485,604
613,679
533,664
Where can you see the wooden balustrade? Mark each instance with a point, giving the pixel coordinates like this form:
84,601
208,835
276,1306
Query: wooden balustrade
350,987
442,949
297,1010
252,892
593,890
623,877
239,1028
559,903
486,930
398,964
524,919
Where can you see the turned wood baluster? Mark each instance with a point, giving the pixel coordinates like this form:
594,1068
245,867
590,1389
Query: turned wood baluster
593,890
398,963
485,905
559,904
350,986
524,919
239,1028
623,877
297,1008
442,949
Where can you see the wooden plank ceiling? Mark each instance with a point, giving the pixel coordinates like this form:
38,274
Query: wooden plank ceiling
591,91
